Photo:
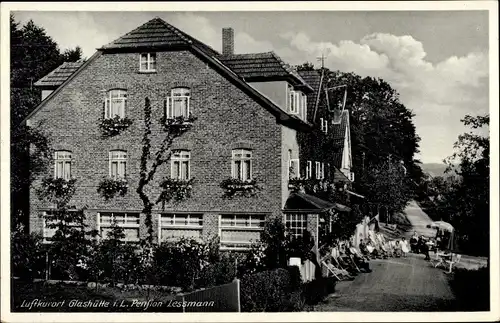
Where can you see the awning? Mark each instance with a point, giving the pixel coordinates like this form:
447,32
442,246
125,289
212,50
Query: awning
355,194
300,202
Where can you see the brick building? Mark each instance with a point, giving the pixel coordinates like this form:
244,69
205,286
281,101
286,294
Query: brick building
249,110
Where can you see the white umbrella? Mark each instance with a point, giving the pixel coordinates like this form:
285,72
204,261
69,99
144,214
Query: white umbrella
441,225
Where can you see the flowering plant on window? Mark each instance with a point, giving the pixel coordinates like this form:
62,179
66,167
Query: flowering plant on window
57,190
109,187
180,123
235,186
174,189
113,126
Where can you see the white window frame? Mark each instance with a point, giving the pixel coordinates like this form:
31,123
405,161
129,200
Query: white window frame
304,106
258,219
309,170
118,160
150,61
290,163
180,156
325,130
63,157
118,97
293,105
322,171
135,224
242,159
181,94
163,224
317,168
296,224
46,239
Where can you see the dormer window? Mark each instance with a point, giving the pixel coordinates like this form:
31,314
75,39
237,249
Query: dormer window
178,103
147,62
297,103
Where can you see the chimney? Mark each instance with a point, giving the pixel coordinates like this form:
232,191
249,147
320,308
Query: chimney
227,41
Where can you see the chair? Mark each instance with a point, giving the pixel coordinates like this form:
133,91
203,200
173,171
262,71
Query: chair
453,262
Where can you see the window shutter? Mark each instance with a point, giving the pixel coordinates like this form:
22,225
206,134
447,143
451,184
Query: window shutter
105,106
169,107
165,109
188,107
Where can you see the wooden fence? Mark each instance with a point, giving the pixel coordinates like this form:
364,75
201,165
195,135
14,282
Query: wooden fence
223,298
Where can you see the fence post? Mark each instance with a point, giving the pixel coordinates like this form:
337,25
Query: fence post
239,294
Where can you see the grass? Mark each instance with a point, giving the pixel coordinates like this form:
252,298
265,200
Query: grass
72,298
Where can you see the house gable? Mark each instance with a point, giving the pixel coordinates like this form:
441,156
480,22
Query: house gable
157,35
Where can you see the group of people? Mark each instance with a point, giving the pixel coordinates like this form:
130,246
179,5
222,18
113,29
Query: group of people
346,261
377,246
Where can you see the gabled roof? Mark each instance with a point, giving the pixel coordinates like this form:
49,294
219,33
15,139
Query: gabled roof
150,34
315,79
305,202
156,33
338,134
262,66
59,75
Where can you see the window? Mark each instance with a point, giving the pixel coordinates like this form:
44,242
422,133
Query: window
296,224
118,164
180,225
147,62
309,169
320,170
293,101
324,125
116,101
178,103
180,165
293,167
241,164
238,231
128,221
62,166
303,106
50,228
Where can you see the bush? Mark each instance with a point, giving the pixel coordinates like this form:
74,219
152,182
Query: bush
180,262
221,272
269,291
472,289
28,254
317,290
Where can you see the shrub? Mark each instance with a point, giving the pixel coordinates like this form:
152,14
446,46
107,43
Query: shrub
472,288
28,256
109,187
218,273
269,291
175,189
113,126
318,289
234,186
180,262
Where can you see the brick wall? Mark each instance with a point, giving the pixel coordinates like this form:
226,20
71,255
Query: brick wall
227,118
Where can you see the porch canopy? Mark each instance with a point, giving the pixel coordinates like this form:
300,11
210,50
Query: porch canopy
301,202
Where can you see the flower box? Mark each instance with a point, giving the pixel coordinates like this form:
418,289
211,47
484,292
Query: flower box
110,187
113,126
234,186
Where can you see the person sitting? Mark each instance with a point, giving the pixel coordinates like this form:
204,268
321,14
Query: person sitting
363,249
397,249
360,261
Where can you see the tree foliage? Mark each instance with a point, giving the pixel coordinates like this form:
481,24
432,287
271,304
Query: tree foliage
33,55
383,138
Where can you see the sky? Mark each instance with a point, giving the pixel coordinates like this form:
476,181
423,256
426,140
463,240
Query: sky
436,60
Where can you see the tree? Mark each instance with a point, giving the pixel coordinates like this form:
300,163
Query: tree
307,66
383,138
33,55
468,201
150,162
